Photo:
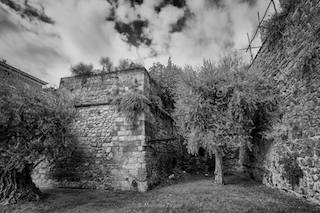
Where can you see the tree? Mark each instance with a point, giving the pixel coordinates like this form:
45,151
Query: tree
106,63
167,77
82,69
33,128
127,64
222,105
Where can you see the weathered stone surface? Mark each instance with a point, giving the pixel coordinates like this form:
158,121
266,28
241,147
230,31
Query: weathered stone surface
111,153
293,63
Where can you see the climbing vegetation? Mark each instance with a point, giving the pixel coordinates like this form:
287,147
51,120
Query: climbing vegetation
33,127
132,105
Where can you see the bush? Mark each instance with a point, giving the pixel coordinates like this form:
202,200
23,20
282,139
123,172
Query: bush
82,69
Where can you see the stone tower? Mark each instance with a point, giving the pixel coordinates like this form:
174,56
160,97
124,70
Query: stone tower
112,152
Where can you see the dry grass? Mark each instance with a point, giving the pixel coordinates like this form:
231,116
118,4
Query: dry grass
197,195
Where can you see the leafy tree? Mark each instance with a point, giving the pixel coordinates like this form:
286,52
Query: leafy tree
106,63
167,77
82,69
32,128
222,105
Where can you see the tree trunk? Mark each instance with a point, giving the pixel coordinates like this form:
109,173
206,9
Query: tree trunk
218,173
15,186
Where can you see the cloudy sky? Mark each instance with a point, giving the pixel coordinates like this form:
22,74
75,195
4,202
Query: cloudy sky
45,37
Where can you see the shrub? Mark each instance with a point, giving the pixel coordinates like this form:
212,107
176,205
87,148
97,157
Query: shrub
106,63
82,69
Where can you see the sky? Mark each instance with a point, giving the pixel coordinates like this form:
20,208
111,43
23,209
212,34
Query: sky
46,37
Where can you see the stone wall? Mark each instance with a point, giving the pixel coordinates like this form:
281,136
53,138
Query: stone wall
112,152
290,58
164,148
19,79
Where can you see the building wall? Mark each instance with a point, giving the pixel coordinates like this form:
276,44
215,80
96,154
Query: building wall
111,151
292,62
16,79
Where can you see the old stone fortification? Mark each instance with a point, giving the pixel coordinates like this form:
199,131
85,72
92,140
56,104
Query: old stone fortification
290,160
19,79
112,152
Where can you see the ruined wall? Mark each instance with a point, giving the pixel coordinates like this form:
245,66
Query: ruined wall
290,57
111,150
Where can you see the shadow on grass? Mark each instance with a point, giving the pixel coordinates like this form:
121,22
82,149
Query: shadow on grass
195,194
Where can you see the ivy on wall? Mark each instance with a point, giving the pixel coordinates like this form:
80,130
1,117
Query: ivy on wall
132,104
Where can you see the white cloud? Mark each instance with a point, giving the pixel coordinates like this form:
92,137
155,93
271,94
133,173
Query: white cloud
81,33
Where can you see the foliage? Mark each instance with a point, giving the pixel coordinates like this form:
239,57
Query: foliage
274,28
127,64
33,127
106,63
292,170
132,104
309,62
166,76
287,6
82,69
223,104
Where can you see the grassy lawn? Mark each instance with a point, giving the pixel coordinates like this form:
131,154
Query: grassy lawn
194,195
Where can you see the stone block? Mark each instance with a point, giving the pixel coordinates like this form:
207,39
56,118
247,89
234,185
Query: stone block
108,149
109,156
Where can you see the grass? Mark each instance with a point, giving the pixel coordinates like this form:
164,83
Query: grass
194,195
